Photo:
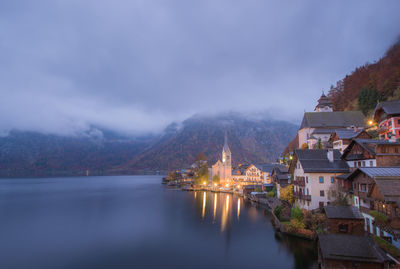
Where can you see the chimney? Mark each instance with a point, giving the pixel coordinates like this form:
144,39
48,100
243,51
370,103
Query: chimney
329,154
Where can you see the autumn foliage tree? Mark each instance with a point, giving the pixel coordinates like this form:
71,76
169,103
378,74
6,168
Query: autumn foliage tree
382,76
286,194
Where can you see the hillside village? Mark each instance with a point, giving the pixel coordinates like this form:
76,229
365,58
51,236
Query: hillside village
341,186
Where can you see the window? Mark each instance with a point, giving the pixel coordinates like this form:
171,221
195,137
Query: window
355,164
371,163
363,187
308,193
332,180
321,179
396,150
306,179
343,228
359,164
322,193
390,123
398,121
363,163
342,182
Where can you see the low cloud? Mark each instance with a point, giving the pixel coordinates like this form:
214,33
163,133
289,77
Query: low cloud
136,66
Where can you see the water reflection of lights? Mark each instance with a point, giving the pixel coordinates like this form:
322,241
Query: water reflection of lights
225,212
215,206
238,208
195,194
204,205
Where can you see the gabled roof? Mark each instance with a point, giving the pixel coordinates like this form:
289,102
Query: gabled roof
343,212
350,247
348,133
316,160
389,187
266,167
374,172
389,108
367,144
335,119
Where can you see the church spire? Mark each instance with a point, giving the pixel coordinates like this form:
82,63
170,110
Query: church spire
226,147
226,152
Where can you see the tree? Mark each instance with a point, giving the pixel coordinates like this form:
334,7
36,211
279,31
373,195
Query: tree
367,99
286,194
304,146
201,173
319,145
337,197
216,179
201,157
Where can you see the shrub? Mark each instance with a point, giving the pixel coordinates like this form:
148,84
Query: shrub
297,224
270,194
258,190
287,194
379,217
382,243
297,213
277,211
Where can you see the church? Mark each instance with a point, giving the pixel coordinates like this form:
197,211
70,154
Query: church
324,121
223,169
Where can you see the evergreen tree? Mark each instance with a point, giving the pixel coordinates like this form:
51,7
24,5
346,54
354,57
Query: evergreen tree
367,99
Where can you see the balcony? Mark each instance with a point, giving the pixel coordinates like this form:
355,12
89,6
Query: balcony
300,196
383,129
299,181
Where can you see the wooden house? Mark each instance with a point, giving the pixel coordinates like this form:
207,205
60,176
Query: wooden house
350,251
372,153
344,220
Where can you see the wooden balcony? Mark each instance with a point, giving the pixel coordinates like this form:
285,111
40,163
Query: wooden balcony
300,196
299,181
383,129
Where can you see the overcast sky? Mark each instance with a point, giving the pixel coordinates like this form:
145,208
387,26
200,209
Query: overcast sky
135,66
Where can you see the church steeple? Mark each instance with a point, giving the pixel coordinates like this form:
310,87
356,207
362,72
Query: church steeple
226,152
324,104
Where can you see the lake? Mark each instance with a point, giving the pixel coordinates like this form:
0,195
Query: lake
135,222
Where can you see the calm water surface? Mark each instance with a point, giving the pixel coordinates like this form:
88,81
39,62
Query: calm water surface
135,222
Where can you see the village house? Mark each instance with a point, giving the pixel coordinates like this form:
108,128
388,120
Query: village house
344,220
372,153
319,125
223,168
341,138
248,175
378,189
314,172
387,115
281,177
350,251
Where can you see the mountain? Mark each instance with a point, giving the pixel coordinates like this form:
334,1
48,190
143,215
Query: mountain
368,84
251,138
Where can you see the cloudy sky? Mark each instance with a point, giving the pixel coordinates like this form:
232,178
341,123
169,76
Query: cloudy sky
136,65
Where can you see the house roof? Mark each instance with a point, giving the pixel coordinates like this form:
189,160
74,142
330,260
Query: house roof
350,247
266,167
335,119
348,133
389,187
380,171
389,108
343,212
368,144
316,160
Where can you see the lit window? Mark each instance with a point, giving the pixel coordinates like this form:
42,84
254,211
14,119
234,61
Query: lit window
321,179
332,180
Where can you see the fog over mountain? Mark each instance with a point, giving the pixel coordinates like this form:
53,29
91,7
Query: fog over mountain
253,139
136,66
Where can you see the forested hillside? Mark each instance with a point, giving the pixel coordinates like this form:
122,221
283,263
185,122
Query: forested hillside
368,84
